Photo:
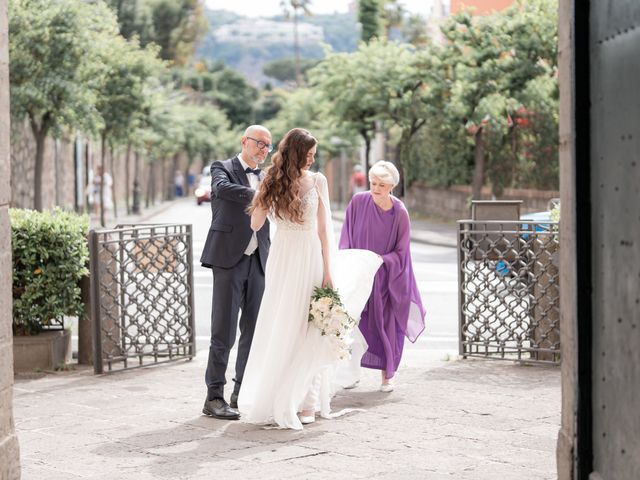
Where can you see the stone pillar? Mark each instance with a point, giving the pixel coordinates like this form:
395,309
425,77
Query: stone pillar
9,450
566,453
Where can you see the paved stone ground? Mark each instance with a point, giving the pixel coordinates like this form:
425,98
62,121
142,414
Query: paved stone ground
458,419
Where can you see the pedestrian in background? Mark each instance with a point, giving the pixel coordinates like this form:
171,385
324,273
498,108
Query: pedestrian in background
178,180
99,190
357,181
376,220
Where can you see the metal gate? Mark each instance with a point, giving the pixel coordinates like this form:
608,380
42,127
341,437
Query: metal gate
509,295
141,295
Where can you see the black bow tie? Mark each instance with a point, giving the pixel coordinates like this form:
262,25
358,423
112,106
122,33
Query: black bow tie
251,170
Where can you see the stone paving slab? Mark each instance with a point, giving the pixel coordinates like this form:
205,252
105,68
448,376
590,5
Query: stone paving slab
460,419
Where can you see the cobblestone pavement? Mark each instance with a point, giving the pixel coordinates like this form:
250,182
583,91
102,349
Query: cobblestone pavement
458,419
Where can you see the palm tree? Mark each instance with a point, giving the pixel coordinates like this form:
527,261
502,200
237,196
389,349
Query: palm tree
291,8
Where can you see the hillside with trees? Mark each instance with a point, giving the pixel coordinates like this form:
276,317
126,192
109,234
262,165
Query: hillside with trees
340,32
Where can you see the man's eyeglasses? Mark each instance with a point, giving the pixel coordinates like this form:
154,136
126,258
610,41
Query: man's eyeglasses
262,145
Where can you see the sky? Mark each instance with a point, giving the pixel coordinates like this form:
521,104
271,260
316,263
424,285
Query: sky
268,8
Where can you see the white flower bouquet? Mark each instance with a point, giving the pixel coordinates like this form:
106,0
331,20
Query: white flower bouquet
328,315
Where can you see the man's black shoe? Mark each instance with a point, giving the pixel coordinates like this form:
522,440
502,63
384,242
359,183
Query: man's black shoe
218,408
233,401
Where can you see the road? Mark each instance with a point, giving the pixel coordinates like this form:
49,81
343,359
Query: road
434,266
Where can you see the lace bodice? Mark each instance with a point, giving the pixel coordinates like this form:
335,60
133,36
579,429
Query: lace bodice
310,213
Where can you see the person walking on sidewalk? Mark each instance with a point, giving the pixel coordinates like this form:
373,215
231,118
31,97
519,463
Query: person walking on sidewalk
237,255
376,220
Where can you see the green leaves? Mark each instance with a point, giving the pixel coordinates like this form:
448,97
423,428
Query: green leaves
498,73
50,255
54,48
124,87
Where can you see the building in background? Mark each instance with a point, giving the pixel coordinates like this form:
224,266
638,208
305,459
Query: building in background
439,12
479,7
259,32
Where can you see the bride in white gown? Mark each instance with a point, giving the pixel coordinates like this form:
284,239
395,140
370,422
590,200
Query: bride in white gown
290,369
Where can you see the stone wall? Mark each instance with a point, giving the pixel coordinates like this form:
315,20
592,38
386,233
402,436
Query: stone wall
58,173
9,450
454,203
59,177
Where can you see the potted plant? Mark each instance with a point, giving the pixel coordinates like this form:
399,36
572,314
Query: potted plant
50,254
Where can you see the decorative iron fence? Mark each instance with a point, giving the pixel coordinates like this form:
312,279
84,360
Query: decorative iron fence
509,295
141,295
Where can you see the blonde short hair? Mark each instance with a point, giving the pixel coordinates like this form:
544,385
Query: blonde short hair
386,172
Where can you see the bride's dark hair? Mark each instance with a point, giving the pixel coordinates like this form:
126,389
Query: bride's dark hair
279,190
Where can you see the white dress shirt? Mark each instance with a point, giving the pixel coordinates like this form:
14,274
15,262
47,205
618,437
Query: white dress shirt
253,182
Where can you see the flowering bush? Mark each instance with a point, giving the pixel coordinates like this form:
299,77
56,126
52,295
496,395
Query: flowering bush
50,254
328,315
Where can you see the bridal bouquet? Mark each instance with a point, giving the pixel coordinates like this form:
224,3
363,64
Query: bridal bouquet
329,316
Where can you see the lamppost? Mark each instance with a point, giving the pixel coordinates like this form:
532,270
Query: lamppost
135,208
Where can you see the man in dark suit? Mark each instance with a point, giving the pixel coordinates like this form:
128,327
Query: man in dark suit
237,257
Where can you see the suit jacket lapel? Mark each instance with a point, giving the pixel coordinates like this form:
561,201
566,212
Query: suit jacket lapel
240,173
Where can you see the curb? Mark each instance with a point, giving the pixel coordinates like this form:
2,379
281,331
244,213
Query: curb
417,237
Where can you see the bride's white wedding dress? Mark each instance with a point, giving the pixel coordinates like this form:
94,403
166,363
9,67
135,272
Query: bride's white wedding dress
291,367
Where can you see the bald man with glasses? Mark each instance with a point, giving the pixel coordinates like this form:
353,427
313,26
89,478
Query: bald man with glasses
237,257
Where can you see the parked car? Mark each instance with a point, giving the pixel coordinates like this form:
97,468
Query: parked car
203,190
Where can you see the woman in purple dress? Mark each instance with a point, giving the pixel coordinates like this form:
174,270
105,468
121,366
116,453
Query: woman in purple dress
376,220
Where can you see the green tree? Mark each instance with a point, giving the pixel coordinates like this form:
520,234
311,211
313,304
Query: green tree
223,87
176,26
234,96
284,69
202,127
161,135
393,13
55,69
134,18
380,81
414,30
293,9
123,97
268,105
490,64
369,18
343,81
306,108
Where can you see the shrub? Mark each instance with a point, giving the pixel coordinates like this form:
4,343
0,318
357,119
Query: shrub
50,255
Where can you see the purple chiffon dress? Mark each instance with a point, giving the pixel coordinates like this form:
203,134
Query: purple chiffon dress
394,309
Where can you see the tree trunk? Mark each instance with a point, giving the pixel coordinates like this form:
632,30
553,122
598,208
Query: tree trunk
127,178
478,170
151,186
172,176
113,183
399,154
103,149
56,168
164,193
186,180
87,165
296,45
135,208
367,152
40,134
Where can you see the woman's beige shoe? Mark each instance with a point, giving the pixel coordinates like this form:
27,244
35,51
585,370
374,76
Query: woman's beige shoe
307,419
386,387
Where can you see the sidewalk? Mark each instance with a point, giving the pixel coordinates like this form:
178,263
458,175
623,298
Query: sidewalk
424,231
461,419
446,419
124,218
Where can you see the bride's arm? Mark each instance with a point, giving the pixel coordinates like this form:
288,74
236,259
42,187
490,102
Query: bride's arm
323,233
258,217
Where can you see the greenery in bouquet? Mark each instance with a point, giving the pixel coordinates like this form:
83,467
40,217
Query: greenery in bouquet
327,314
